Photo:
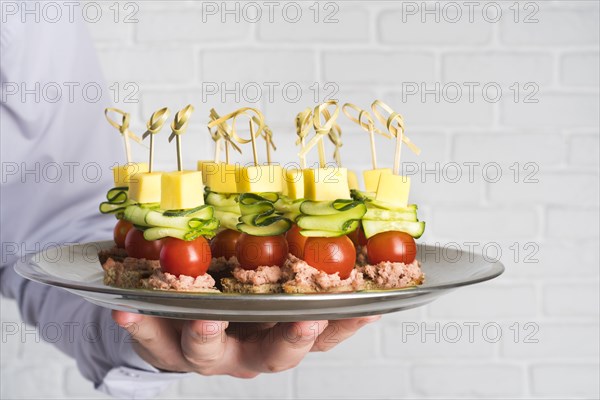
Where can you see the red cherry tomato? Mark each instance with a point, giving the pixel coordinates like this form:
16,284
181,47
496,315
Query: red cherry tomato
181,257
391,246
120,232
223,245
358,236
331,254
296,241
138,247
254,251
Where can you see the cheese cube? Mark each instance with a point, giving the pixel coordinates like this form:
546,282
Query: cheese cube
329,183
393,189
371,177
219,177
145,188
123,174
293,185
259,178
181,190
352,180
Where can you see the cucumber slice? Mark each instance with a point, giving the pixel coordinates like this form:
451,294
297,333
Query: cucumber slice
312,233
415,229
261,207
203,212
339,221
228,220
277,228
221,199
117,194
288,206
327,207
136,215
391,206
107,208
161,232
233,209
379,214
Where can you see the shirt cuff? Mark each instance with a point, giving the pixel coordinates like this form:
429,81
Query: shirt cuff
136,378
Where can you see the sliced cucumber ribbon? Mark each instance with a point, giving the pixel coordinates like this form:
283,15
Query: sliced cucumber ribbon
383,217
259,216
185,224
117,199
330,218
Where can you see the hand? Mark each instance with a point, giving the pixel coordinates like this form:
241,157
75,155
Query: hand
243,350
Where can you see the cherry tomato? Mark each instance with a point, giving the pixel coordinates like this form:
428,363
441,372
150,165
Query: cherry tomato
181,257
120,232
223,245
331,254
391,246
138,247
358,236
254,251
295,241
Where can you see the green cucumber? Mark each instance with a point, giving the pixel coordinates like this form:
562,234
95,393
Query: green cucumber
117,194
340,221
107,208
233,209
415,229
221,199
327,207
316,233
155,218
162,232
288,206
279,227
380,214
203,212
228,220
391,206
260,220
136,215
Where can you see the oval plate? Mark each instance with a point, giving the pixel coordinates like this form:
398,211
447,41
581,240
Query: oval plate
77,269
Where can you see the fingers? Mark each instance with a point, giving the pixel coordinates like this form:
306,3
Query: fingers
205,346
340,330
285,346
157,341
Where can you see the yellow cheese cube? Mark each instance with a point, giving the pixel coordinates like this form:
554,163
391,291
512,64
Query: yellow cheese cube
145,188
393,189
259,178
181,190
352,180
219,177
329,183
371,177
293,185
123,174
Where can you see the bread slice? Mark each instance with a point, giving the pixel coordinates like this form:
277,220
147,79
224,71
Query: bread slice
232,285
293,288
372,285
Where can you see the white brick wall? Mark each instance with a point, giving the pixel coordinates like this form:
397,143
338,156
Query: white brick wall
545,308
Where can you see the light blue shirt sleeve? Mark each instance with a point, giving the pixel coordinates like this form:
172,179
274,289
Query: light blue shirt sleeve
56,159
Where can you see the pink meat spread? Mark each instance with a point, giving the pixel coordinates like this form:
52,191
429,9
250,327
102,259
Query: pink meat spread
166,281
298,273
260,276
394,275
